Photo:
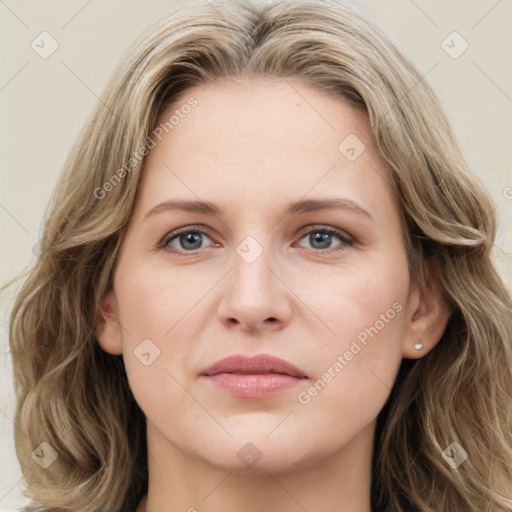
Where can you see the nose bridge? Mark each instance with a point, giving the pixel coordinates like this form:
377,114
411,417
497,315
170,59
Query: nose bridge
252,294
251,277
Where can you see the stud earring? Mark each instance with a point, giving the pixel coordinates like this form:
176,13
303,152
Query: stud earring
419,345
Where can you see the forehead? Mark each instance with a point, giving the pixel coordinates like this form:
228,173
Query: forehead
267,110
273,137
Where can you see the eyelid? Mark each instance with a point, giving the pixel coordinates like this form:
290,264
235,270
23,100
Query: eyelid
329,229
345,237
347,240
197,228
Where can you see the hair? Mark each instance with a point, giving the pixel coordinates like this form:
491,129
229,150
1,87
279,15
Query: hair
73,395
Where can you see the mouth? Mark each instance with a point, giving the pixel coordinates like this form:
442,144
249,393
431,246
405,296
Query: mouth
253,377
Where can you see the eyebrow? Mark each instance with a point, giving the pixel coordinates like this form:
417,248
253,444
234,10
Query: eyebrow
294,208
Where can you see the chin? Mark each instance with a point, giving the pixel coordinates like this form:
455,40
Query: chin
260,456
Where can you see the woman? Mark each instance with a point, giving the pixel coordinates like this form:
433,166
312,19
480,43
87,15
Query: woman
334,338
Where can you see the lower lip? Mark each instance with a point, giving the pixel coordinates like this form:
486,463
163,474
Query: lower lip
253,386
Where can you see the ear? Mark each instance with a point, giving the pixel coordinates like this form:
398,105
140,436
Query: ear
428,316
108,330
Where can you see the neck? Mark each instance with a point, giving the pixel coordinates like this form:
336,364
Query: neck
338,482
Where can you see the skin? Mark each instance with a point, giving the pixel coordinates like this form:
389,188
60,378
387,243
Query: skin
251,147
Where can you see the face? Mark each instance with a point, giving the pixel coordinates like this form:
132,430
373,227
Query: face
303,260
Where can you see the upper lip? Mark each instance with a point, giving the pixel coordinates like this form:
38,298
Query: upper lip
251,365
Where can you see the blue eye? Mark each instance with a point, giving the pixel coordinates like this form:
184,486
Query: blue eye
189,241
321,237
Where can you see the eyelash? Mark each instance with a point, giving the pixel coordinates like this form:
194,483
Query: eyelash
345,239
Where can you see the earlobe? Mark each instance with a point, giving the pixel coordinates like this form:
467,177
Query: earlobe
428,320
108,332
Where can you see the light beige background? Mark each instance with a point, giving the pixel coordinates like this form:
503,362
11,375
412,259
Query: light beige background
44,103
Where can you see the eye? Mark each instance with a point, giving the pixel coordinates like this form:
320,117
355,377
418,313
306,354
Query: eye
191,239
321,237
187,240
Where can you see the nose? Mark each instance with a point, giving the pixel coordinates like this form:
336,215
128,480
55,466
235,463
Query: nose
255,297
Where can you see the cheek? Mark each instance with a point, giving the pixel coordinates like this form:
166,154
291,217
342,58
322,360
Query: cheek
153,307
352,297
359,367
161,314
153,299
365,311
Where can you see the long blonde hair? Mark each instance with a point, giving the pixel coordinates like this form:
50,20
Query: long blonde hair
75,397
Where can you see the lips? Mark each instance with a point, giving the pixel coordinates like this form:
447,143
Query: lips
256,377
261,364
